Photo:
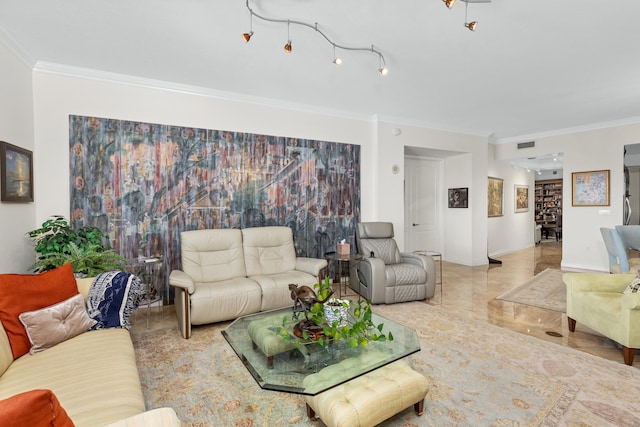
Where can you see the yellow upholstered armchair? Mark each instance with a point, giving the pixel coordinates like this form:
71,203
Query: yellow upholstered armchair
597,301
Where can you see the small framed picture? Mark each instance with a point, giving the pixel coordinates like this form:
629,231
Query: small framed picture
521,198
590,188
16,173
459,197
495,196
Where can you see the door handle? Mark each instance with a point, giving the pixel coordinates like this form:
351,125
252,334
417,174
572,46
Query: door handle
415,225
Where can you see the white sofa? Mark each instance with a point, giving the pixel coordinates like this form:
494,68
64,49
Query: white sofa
93,376
228,273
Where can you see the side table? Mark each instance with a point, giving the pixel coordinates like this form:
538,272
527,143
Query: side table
146,268
338,260
437,256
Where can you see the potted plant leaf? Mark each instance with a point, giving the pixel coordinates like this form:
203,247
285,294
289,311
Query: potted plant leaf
358,328
56,244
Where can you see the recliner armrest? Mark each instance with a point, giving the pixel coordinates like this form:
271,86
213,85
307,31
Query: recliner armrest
597,282
424,261
180,279
372,271
312,266
631,301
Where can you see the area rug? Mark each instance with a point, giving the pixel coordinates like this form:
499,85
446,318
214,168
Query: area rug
479,374
544,290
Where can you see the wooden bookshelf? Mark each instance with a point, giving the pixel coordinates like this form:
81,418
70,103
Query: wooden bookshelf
548,202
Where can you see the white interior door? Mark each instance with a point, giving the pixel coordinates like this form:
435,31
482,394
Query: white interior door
423,206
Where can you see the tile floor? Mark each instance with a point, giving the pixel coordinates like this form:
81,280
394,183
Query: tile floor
471,291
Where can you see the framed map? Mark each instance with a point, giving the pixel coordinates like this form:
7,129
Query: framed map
590,188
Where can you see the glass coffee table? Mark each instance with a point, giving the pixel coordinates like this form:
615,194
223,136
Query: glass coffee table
283,365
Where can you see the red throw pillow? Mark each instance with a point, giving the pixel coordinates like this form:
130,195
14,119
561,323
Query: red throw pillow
35,408
28,292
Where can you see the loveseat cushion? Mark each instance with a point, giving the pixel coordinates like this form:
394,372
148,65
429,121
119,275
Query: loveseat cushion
268,250
35,408
28,292
212,255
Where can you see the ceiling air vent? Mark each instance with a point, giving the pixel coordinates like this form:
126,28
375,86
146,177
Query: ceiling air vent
529,144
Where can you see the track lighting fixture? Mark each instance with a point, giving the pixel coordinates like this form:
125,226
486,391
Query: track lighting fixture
470,25
449,3
382,69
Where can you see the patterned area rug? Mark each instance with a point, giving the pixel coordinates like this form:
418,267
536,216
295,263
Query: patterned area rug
544,290
480,375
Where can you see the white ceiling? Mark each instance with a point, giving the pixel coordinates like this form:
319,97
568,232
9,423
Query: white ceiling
533,67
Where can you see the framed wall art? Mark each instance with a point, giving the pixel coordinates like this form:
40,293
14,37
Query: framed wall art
16,178
590,188
459,197
521,198
495,196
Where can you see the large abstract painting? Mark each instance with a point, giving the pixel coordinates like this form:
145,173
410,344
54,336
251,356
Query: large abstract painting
143,183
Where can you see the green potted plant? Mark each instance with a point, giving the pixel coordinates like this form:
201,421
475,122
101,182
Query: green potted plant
358,328
56,244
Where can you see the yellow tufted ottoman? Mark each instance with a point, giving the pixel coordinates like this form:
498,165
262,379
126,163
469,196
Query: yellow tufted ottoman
370,399
264,336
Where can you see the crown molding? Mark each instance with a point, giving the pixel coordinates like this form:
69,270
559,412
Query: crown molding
566,131
432,126
16,48
110,77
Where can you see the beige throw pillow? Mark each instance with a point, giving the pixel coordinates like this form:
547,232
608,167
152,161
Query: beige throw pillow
57,323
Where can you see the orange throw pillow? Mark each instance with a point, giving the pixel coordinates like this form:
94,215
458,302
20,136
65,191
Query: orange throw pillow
35,408
29,292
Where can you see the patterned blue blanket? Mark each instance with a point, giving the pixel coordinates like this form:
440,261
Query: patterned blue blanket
111,298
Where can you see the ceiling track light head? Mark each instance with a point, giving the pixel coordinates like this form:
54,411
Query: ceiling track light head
470,25
449,3
336,59
247,36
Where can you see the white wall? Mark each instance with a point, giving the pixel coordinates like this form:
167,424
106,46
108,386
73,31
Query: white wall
512,231
389,204
582,246
16,127
458,223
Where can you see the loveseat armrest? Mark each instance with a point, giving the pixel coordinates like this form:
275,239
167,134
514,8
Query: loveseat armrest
311,266
180,279
597,282
631,301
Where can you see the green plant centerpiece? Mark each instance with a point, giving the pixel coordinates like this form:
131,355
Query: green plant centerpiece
56,244
329,318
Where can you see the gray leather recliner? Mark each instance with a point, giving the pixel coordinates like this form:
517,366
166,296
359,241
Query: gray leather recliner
389,276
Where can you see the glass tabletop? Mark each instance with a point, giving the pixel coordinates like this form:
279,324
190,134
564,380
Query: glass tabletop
307,367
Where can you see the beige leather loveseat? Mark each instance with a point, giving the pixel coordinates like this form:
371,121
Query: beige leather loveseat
93,376
228,273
